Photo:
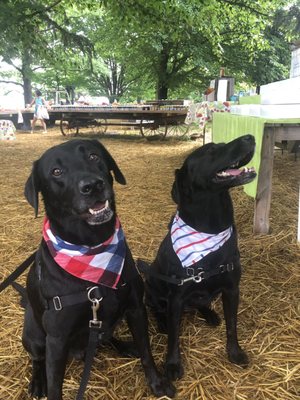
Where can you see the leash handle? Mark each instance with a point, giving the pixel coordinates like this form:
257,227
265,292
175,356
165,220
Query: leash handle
17,272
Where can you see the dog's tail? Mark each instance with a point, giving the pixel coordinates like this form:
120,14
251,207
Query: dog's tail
23,292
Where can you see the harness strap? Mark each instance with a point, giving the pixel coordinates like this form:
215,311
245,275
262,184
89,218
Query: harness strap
57,303
197,275
17,272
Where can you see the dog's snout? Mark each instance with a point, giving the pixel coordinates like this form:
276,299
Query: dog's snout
87,186
248,138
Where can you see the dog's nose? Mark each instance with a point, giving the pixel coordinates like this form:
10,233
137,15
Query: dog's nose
248,138
87,186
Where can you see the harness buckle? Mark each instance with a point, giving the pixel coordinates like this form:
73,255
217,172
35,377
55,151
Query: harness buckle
57,303
222,268
190,271
226,267
230,267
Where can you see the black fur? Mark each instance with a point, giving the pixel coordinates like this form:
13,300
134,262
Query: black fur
72,178
204,203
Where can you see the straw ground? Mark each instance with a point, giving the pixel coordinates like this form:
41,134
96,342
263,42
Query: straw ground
269,310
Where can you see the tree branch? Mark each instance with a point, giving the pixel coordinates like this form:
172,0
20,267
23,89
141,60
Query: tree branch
13,82
8,61
245,6
44,9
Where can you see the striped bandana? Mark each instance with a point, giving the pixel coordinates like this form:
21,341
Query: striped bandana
101,264
190,245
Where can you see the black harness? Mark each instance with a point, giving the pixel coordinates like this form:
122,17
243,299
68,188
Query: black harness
93,294
197,274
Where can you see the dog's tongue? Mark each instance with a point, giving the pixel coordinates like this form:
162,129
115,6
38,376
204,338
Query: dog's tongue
98,206
233,172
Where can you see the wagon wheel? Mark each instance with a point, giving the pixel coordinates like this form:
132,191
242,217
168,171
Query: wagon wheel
178,129
68,128
100,126
153,129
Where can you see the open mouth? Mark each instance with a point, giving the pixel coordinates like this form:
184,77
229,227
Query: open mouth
237,171
99,213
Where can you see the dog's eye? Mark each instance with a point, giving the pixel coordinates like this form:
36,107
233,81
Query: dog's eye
93,157
56,172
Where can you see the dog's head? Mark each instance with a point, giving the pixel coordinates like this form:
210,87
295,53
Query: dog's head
214,168
75,181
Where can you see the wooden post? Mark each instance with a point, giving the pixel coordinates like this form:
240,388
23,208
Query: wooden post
298,236
264,186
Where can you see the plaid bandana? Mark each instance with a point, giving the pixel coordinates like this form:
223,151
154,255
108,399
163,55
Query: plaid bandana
101,264
190,245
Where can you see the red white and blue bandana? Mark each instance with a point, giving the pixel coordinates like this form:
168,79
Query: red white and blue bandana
101,264
190,245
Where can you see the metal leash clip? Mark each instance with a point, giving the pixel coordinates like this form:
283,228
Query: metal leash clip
94,323
196,278
199,277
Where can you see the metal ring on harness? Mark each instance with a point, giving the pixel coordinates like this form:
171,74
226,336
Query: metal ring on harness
93,299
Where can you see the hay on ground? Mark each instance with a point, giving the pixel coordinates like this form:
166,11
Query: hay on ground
269,310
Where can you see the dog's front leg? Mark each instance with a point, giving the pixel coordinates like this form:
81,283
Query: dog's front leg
174,367
236,354
138,325
56,359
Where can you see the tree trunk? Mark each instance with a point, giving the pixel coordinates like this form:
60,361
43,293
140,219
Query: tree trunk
162,93
26,75
27,90
162,82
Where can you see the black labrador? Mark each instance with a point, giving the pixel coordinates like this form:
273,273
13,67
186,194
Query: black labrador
83,260
199,257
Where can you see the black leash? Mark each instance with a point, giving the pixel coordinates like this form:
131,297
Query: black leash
95,336
17,272
88,361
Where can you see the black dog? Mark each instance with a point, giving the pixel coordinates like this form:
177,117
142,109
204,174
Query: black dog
75,181
199,257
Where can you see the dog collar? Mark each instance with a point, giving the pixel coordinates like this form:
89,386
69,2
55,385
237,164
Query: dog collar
101,264
190,245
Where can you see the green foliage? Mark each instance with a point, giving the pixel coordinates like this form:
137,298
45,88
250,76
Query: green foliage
128,49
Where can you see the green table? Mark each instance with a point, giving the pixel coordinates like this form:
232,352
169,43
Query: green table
226,127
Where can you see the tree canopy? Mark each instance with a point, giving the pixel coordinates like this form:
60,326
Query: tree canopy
135,49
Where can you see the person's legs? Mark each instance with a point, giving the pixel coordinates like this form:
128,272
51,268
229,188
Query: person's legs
33,124
44,125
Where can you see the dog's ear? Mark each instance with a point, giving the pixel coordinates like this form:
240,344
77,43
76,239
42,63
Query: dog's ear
181,188
112,165
175,189
32,189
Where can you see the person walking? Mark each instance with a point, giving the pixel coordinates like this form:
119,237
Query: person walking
40,111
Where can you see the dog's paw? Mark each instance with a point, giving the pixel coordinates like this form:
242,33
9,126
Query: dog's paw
210,316
162,387
38,388
174,371
238,356
38,385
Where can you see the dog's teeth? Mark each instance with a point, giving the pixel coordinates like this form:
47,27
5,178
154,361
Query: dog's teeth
223,173
95,212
